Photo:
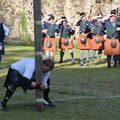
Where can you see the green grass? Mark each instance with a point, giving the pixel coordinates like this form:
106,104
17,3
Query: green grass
68,81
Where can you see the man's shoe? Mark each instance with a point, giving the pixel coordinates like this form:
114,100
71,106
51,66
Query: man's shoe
3,107
108,66
49,103
87,64
60,62
99,60
115,64
81,64
72,62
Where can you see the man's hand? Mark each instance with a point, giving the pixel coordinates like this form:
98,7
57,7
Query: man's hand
118,29
44,85
41,85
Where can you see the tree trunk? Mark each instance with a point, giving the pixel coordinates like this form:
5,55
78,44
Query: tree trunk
38,48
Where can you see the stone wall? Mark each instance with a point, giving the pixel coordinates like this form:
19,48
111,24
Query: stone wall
10,11
10,14
72,9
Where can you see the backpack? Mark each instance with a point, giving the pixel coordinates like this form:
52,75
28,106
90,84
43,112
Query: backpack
2,32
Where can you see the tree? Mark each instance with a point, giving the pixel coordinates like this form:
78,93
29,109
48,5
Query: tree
38,48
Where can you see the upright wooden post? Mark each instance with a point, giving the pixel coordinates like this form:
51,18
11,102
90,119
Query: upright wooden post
38,48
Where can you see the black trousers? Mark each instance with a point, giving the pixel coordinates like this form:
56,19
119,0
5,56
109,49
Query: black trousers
47,91
115,59
15,79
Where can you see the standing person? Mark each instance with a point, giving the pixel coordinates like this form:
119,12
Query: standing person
50,41
4,30
98,31
21,74
118,31
112,39
66,39
83,42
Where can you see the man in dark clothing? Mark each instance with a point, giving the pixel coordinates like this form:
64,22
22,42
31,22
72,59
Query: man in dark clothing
66,33
21,74
111,32
4,30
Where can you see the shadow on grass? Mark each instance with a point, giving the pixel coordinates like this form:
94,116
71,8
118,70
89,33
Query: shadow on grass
67,62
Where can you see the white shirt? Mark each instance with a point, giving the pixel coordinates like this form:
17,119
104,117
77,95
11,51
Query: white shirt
6,29
26,68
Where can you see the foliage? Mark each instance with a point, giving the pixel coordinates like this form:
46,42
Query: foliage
25,37
23,22
23,27
19,42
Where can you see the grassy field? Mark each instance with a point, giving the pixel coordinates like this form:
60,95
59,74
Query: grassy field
79,93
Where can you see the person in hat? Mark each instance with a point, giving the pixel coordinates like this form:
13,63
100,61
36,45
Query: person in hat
4,31
66,31
51,30
84,29
98,31
111,26
22,74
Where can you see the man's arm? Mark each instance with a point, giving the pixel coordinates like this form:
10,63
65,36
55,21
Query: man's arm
77,23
